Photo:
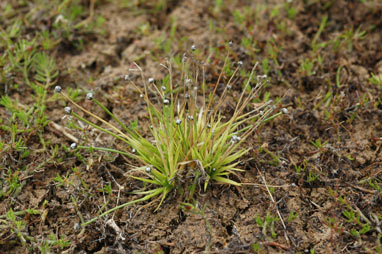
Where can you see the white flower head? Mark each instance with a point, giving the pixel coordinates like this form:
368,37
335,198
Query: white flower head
73,146
68,110
57,89
89,96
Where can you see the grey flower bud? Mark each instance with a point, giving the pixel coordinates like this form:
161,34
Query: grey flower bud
89,96
73,146
68,110
57,89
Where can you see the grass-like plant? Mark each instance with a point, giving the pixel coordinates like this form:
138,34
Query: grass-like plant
190,138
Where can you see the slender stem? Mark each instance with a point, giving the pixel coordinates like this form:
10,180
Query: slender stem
98,127
122,206
105,149
95,116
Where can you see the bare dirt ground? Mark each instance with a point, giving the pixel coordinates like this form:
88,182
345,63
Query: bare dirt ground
312,180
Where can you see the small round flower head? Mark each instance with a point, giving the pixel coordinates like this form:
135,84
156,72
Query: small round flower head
57,89
274,107
188,81
293,185
193,47
133,150
73,146
230,43
178,121
261,112
195,88
148,169
284,111
89,96
127,77
166,101
163,88
186,96
141,96
235,139
190,118
240,63
229,86
214,169
68,110
150,80
151,126
208,125
77,226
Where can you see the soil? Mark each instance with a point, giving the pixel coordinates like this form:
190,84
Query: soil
350,123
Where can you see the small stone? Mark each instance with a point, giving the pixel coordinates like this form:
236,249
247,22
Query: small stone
163,88
193,47
284,111
148,169
151,80
68,110
141,96
166,101
229,86
133,150
57,89
230,43
73,146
